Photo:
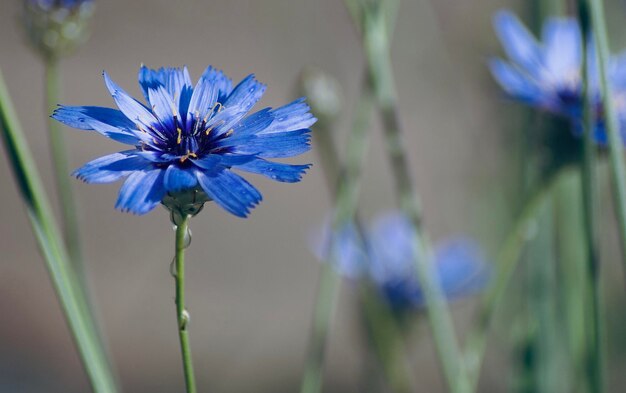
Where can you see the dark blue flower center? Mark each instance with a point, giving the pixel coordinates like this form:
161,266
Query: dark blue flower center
199,138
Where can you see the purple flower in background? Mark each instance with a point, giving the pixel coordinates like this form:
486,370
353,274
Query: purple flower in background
189,139
384,255
548,75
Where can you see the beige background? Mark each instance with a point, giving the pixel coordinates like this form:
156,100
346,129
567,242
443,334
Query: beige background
251,282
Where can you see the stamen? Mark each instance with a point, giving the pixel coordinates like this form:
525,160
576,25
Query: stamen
157,132
186,156
230,132
196,125
219,123
217,105
179,139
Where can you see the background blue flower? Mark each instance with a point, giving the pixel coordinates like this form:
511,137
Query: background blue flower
385,257
189,138
548,74
58,4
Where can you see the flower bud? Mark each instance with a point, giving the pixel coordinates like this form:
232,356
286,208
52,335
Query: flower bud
56,28
323,94
184,203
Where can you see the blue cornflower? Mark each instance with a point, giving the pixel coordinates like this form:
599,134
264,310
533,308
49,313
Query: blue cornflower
188,140
384,255
548,75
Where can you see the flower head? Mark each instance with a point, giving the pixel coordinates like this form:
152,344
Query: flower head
188,140
384,255
548,75
57,27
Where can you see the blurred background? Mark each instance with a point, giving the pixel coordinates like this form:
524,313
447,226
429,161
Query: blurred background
252,283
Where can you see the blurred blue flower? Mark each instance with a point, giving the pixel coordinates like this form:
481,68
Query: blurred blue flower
189,139
50,5
57,27
548,75
384,255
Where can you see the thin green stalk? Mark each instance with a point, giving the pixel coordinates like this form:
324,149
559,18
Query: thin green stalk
594,342
507,261
376,43
328,289
618,171
182,315
61,168
573,278
387,340
383,331
541,299
52,248
347,194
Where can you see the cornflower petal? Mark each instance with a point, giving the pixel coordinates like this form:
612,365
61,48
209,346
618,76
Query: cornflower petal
212,86
278,171
293,116
230,191
519,43
106,121
141,192
111,167
563,49
177,179
275,145
130,107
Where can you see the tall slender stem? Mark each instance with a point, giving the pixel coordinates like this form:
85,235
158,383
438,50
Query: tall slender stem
327,291
376,43
182,315
386,340
618,170
53,250
590,203
383,331
61,168
346,188
507,260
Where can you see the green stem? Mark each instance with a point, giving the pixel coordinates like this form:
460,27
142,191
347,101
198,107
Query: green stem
376,43
590,203
61,168
347,194
383,332
328,289
386,340
52,248
507,260
541,301
618,172
182,315
572,282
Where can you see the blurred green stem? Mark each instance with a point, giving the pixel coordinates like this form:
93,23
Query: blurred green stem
542,297
376,43
386,340
590,203
182,315
53,250
507,260
573,278
62,172
347,186
618,172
